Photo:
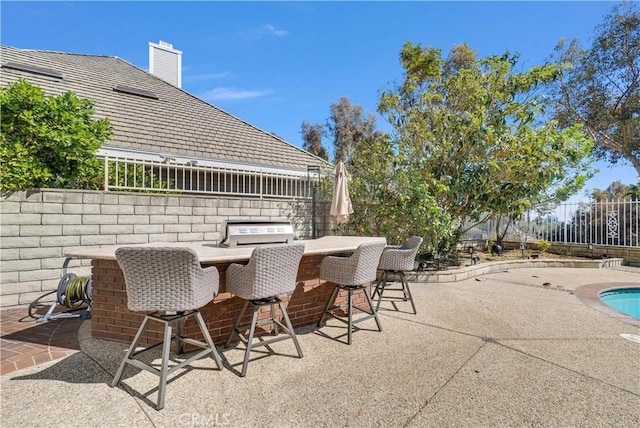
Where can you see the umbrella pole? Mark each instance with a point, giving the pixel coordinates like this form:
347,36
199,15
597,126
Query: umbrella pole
312,183
313,211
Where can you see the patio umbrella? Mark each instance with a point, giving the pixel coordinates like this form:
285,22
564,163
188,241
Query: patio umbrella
340,203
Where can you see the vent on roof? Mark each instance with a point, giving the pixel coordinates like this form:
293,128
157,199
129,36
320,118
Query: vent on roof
34,69
135,91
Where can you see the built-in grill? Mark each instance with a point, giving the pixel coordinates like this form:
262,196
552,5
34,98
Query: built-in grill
237,233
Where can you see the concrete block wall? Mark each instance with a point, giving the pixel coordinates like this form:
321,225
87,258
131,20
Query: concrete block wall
37,227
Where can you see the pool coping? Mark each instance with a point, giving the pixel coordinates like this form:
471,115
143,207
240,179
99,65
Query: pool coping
590,296
467,272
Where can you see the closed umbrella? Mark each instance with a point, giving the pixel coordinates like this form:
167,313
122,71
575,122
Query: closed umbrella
340,203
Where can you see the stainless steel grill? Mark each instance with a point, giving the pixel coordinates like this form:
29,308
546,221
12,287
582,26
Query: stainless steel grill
236,233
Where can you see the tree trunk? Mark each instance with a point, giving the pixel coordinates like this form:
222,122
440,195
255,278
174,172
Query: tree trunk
636,164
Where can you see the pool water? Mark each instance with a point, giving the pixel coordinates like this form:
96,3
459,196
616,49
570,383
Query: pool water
625,300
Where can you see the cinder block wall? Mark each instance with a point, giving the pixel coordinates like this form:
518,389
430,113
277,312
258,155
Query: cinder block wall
37,227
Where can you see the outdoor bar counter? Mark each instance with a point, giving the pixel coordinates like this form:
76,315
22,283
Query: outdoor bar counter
111,319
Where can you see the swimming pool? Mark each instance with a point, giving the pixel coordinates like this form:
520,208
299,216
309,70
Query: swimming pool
625,300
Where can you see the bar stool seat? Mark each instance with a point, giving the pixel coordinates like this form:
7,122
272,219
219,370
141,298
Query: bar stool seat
170,283
271,272
352,273
396,260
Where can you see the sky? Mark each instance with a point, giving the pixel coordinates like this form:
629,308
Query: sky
277,64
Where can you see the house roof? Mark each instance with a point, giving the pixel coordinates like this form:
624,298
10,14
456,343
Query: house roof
176,123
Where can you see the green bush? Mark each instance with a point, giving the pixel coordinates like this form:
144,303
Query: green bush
543,245
48,141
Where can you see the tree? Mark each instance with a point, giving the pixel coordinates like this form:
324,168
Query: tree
48,141
616,190
633,192
601,88
388,200
472,132
312,140
348,127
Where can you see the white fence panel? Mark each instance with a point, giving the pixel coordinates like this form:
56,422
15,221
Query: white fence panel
191,178
603,223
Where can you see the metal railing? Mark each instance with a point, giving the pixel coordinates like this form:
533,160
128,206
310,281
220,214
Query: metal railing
154,176
603,223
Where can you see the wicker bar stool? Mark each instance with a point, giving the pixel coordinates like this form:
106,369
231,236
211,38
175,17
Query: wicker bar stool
272,271
169,282
352,273
396,260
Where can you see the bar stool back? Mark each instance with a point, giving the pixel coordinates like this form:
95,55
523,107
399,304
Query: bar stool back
352,273
171,284
272,271
397,260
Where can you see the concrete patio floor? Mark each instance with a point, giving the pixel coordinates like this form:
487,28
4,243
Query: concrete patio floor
500,349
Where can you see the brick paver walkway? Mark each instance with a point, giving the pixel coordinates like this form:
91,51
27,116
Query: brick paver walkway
23,343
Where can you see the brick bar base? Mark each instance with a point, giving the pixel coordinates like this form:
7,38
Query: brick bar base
111,319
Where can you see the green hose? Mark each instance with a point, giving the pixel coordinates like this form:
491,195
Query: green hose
76,292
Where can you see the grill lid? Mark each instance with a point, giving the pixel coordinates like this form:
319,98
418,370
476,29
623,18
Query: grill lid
237,233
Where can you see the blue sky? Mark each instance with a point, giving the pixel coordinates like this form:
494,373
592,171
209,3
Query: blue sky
276,64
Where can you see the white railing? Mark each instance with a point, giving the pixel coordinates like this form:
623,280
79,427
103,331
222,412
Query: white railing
602,223
154,176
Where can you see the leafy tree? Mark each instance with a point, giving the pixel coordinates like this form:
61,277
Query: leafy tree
472,132
48,141
601,88
615,190
388,201
348,127
633,192
312,140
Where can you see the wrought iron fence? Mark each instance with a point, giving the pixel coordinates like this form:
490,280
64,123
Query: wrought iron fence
602,223
155,176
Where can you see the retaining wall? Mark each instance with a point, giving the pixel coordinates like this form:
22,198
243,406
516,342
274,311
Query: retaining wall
467,272
37,227
631,255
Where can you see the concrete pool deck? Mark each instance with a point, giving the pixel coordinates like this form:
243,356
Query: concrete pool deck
510,348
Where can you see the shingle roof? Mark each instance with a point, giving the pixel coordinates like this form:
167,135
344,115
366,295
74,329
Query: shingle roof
176,123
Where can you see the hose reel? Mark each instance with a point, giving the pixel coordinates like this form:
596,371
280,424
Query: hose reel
73,293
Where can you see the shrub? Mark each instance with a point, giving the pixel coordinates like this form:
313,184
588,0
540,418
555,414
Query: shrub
48,141
543,245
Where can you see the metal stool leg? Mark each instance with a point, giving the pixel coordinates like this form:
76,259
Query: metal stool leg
130,351
252,329
164,370
383,281
236,324
178,331
350,315
376,289
374,312
326,307
207,338
405,286
287,321
273,319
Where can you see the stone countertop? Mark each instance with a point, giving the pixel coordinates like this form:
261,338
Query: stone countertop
213,253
